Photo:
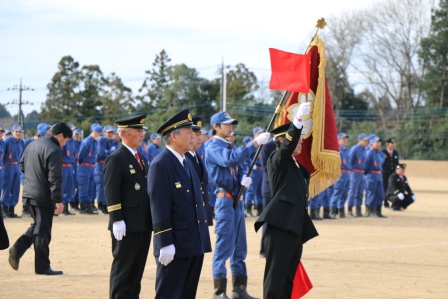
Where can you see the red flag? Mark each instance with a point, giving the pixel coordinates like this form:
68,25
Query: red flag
302,283
290,72
320,149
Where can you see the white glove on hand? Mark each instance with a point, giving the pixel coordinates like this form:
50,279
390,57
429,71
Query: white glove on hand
400,196
413,197
119,229
167,254
246,181
263,138
303,110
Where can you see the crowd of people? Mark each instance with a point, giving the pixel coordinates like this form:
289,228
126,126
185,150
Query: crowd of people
178,191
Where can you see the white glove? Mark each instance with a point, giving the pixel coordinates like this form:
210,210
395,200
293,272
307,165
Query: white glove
413,197
246,181
400,196
119,229
167,254
263,138
303,110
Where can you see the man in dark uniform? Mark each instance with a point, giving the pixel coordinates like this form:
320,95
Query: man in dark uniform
181,236
199,167
389,165
288,224
41,164
128,207
399,193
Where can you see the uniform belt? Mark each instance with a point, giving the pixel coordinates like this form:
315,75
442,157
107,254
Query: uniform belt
375,171
345,170
100,161
87,164
66,164
357,170
13,163
259,167
223,194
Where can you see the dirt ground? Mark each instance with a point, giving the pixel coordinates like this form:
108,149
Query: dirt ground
403,256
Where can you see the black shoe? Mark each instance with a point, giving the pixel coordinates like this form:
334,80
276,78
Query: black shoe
14,258
51,272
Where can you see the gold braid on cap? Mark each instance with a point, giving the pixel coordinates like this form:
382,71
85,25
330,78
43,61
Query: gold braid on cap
174,125
128,126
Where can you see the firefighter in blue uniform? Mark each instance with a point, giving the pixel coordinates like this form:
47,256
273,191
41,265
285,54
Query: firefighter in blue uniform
181,236
113,144
68,174
154,147
86,163
222,163
253,193
14,147
340,189
199,166
374,181
76,145
103,153
358,163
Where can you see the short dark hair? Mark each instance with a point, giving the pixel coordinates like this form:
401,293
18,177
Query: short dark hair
62,128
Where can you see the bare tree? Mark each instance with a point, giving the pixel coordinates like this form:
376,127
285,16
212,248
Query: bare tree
387,57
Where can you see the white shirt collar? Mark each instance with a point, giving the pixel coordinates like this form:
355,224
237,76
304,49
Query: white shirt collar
178,156
130,149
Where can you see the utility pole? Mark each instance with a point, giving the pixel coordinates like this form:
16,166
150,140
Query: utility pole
20,88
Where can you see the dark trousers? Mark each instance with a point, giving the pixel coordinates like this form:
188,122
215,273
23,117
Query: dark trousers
283,252
266,201
129,263
397,203
179,279
39,234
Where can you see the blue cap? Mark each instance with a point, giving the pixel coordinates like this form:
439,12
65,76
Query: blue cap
43,130
222,118
78,130
209,133
93,126
108,128
17,128
96,128
373,138
179,120
39,126
154,136
362,137
342,135
246,139
257,130
6,131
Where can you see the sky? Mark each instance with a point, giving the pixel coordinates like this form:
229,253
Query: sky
124,37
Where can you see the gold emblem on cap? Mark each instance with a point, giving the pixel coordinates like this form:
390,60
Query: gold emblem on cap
137,186
189,117
142,120
199,123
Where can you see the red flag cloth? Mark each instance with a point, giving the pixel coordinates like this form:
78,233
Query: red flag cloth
320,148
302,283
290,71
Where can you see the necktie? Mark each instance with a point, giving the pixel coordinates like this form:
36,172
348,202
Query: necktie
186,167
139,161
229,146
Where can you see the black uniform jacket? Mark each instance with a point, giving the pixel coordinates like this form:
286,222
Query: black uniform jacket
126,192
396,185
289,187
202,173
177,207
390,163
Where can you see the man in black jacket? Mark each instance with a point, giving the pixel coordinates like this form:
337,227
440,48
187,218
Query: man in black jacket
399,192
288,223
390,163
42,165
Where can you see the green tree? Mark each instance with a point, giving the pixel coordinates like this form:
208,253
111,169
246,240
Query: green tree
434,55
117,99
153,86
241,85
64,92
3,112
93,83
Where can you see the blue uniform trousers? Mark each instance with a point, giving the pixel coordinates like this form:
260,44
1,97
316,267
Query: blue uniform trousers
253,193
212,195
2,174
99,182
340,191
11,185
230,230
68,184
326,197
86,184
374,190
356,189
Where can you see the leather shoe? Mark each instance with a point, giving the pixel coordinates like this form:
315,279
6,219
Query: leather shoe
14,258
51,272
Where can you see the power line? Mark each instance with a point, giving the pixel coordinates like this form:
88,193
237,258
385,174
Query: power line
20,88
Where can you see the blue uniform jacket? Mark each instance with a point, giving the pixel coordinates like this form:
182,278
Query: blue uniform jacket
374,161
357,157
13,149
68,152
177,209
88,151
2,152
345,158
103,149
153,151
222,164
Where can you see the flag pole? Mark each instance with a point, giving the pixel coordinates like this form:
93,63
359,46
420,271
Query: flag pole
320,24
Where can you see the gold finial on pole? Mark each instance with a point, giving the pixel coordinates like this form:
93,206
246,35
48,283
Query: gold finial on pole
320,24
